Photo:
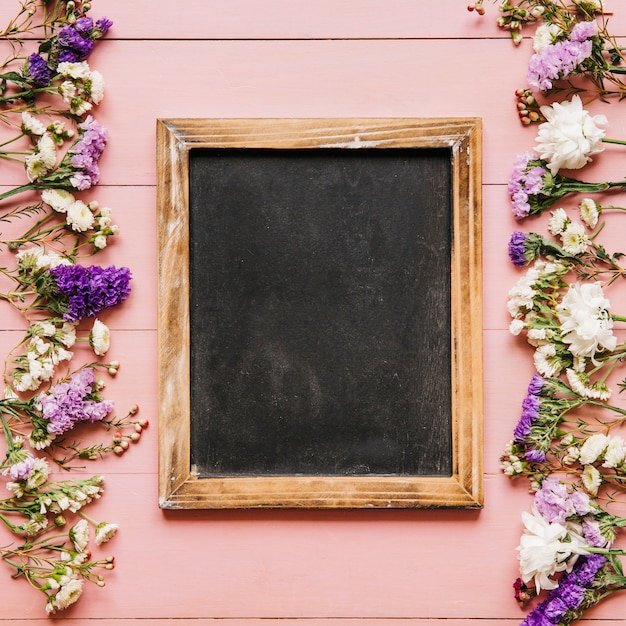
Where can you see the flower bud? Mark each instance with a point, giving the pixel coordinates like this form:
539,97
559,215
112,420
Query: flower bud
134,437
59,521
118,450
124,445
133,409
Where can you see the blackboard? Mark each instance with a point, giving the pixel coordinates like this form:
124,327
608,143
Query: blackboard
320,337
319,311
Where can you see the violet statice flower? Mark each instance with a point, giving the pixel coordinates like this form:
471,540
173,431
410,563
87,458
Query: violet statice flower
38,70
74,45
88,290
530,408
560,59
22,469
526,181
570,593
517,248
556,503
86,152
68,403
103,25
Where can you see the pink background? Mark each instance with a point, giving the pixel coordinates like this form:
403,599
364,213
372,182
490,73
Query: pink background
297,58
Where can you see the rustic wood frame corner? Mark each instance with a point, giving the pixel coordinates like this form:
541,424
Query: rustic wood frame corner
178,487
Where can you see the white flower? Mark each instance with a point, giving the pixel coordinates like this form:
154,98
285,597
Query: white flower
585,321
99,338
516,327
591,479
96,88
589,212
545,36
79,217
558,221
569,136
521,295
67,594
575,239
100,242
31,125
579,382
615,452
42,159
546,361
79,535
104,532
74,70
546,548
67,335
58,199
593,448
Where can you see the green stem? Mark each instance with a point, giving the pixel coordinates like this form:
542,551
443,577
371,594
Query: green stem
621,142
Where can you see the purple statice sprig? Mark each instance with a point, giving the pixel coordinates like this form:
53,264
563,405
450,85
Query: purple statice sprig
75,291
533,189
564,603
524,248
75,42
563,58
71,402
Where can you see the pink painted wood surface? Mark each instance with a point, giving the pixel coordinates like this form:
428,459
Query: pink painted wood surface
280,58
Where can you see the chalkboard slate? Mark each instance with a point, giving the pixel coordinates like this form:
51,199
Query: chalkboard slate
320,311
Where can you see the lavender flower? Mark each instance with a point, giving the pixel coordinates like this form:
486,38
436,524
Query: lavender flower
517,248
525,182
38,70
86,152
75,45
532,188
88,290
530,408
68,403
556,503
560,59
568,596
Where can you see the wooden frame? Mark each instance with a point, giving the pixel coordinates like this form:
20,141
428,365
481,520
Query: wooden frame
179,488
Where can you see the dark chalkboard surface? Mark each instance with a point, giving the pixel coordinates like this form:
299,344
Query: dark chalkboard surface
320,311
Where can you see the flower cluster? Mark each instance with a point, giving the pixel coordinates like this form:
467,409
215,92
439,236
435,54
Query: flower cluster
566,441
48,93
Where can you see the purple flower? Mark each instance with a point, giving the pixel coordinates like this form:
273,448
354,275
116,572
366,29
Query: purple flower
74,45
570,593
526,180
556,504
536,384
535,456
89,290
560,59
86,152
584,30
103,25
22,469
68,403
39,71
517,248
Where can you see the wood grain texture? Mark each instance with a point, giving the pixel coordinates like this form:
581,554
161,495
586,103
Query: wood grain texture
286,58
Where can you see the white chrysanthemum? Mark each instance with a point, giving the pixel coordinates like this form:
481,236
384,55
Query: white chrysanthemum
58,199
547,548
99,338
38,475
570,136
615,452
522,294
67,335
558,221
43,329
579,382
104,532
593,448
96,87
65,596
591,479
516,326
79,107
31,125
42,159
546,361
589,212
67,90
571,456
79,535
546,35
79,70
539,336
79,217
586,324
575,239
